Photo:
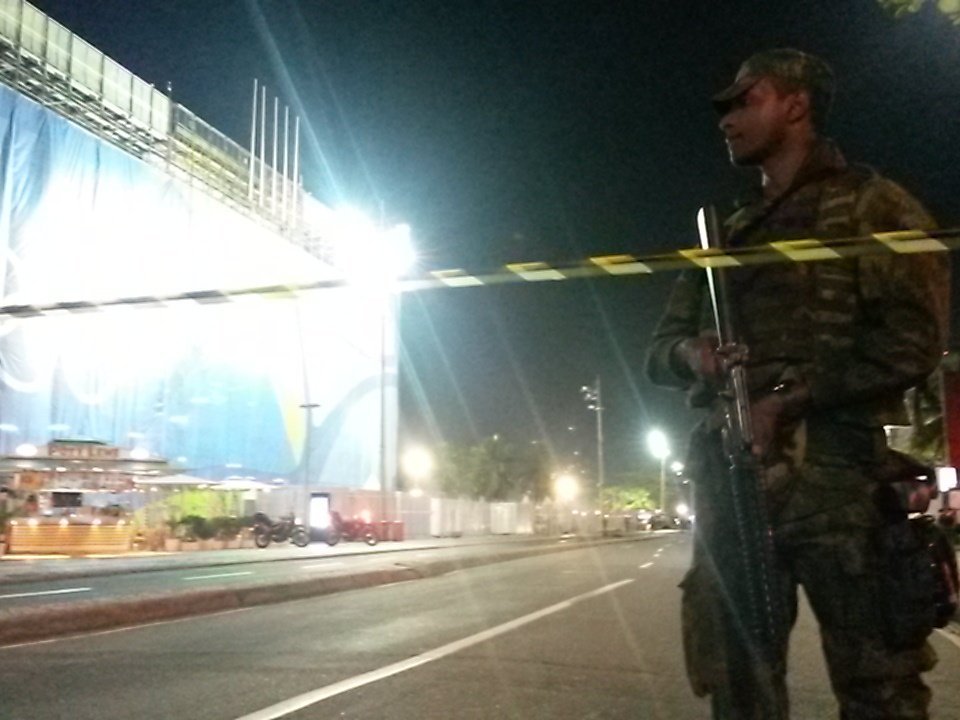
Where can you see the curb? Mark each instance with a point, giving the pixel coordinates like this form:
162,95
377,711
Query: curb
58,620
211,562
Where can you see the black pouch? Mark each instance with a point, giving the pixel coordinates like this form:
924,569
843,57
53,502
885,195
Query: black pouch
918,564
907,585
918,580
943,565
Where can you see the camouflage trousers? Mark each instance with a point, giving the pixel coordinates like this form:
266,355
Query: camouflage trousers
825,524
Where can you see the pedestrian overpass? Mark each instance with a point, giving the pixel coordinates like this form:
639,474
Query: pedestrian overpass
109,189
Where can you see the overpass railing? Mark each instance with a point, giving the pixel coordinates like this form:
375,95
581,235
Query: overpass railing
44,60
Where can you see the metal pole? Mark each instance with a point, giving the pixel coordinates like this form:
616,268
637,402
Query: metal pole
273,174
263,143
663,483
307,443
383,416
286,162
599,438
253,142
295,191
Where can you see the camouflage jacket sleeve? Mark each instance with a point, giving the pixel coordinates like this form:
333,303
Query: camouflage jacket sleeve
680,320
904,316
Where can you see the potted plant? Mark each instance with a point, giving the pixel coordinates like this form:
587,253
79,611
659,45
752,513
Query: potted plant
227,530
192,529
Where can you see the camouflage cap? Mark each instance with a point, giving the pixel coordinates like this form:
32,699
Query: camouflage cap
796,68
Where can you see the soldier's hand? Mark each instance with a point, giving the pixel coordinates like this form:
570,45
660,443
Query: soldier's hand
773,411
698,355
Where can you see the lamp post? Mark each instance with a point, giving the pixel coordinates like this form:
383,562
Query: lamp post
594,399
659,447
374,258
308,443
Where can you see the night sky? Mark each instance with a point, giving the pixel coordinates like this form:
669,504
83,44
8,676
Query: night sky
505,131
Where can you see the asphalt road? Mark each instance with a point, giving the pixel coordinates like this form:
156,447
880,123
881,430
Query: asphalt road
590,633
118,578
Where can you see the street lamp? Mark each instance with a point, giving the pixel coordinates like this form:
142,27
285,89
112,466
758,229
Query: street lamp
659,447
417,464
374,258
566,488
594,399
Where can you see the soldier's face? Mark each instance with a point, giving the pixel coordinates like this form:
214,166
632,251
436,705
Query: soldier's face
756,123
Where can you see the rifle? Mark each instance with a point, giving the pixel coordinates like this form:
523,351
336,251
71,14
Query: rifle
754,619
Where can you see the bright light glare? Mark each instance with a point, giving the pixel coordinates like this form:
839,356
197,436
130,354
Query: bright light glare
946,478
26,450
658,444
139,454
365,516
320,512
366,254
682,509
676,466
566,488
417,463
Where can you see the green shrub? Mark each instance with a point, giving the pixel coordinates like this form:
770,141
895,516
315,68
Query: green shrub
196,527
225,526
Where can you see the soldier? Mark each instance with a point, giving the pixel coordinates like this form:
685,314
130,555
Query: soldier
833,346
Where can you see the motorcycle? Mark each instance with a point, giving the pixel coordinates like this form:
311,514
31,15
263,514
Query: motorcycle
284,530
358,528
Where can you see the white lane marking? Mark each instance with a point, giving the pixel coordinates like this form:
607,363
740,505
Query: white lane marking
299,702
44,592
646,565
320,565
219,575
950,636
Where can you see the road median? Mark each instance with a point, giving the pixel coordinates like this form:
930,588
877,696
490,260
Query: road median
60,619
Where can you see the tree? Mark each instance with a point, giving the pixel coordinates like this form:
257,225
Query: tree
626,497
899,8
494,469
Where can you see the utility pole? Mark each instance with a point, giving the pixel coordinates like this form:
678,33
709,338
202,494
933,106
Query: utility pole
594,399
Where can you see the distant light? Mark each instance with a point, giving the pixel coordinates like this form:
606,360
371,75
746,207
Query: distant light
96,521
682,510
566,488
676,466
26,450
365,516
416,492
658,444
417,462
64,522
8,428
32,522
140,453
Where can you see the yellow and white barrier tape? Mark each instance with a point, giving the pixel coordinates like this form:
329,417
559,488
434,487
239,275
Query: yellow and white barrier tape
621,265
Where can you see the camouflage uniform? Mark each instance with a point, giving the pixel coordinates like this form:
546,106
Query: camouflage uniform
858,332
